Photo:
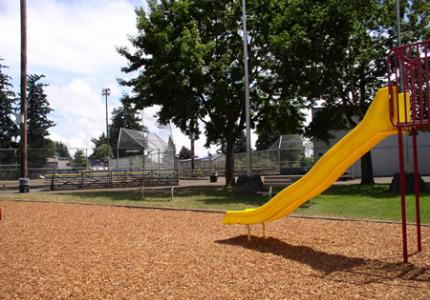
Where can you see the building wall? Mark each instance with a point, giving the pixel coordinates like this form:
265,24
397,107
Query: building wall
385,157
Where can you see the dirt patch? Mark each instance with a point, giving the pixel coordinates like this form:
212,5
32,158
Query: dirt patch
98,252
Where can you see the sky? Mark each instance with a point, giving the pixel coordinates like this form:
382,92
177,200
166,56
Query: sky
73,43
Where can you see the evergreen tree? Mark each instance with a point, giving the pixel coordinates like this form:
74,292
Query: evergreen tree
169,154
61,149
184,153
101,151
39,146
171,145
8,129
79,159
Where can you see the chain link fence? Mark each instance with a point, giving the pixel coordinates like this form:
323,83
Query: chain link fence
290,154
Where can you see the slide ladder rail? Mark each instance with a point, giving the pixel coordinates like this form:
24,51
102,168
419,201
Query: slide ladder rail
408,69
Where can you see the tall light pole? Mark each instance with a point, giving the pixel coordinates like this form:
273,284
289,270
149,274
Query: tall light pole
106,93
247,106
24,181
399,39
402,86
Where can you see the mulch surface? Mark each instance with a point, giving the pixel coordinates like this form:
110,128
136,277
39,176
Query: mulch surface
50,251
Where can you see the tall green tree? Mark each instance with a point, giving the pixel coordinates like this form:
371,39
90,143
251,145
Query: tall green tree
336,51
61,149
79,159
189,61
184,153
101,151
8,128
171,146
39,146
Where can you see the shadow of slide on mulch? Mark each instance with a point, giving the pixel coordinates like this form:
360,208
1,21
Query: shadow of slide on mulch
335,267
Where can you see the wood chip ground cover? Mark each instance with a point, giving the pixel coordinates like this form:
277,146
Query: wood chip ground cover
57,251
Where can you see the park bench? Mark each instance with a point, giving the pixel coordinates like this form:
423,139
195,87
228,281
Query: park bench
285,180
278,181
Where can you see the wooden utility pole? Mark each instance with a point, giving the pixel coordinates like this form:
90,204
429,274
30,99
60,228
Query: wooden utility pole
23,183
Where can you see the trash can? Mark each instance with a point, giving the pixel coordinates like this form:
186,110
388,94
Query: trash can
213,177
24,185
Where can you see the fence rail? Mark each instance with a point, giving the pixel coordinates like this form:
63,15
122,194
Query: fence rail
114,179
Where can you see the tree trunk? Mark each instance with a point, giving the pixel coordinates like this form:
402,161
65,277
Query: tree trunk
367,169
192,153
192,139
229,163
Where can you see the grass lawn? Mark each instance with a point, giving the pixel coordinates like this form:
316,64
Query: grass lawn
346,201
366,202
212,198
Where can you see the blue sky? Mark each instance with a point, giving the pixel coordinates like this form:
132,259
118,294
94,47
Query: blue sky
73,43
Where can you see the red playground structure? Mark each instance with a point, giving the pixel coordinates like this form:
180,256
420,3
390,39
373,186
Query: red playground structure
409,80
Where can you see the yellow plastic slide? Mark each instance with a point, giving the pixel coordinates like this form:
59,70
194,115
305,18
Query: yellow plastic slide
375,127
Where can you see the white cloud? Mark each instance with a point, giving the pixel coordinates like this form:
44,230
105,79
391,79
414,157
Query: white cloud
79,113
72,36
74,44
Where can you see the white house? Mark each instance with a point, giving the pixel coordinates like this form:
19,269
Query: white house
385,156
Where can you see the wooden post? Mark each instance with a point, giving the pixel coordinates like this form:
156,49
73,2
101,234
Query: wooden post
23,121
52,182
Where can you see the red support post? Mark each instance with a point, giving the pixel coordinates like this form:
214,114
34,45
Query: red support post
417,189
402,194
408,70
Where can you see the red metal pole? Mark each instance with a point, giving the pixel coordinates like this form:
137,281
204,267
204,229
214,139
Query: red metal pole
417,190
427,80
402,194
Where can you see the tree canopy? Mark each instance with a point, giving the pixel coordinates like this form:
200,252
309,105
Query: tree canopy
351,68
187,58
189,61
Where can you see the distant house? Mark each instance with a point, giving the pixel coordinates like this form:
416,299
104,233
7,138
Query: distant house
385,156
58,163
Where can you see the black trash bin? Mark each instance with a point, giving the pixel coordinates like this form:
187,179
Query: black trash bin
213,178
24,185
